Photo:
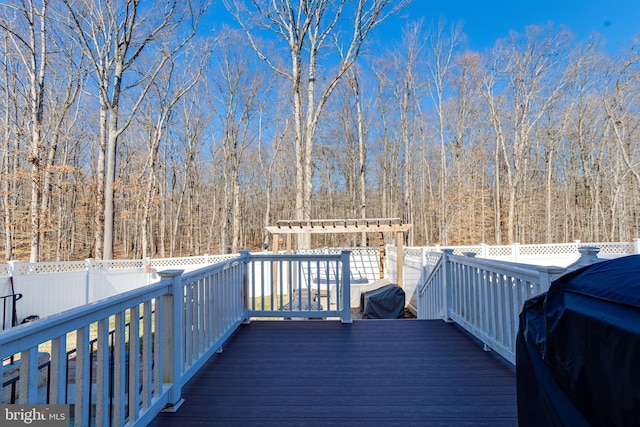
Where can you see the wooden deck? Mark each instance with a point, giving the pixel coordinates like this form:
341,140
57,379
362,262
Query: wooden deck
369,373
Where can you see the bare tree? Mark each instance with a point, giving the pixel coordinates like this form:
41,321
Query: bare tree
29,39
171,85
7,181
70,69
113,35
442,48
268,159
527,64
305,28
239,95
354,83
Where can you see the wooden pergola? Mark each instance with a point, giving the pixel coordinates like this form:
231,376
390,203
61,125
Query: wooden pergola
327,226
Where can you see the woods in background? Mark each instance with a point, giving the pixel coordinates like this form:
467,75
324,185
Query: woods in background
126,131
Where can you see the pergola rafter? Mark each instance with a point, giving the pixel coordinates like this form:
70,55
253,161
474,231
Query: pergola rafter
320,226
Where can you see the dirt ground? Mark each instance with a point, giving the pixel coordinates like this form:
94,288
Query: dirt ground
355,314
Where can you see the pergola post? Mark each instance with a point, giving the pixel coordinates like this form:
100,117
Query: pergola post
274,273
381,243
399,261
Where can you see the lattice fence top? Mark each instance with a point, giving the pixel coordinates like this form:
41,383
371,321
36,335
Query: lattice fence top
461,250
613,248
177,262
190,261
417,252
5,270
499,251
117,264
551,249
432,258
23,269
517,251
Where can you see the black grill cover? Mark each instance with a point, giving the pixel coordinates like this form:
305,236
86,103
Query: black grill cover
578,349
386,302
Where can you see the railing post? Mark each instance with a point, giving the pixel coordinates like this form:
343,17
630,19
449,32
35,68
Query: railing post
244,260
87,285
636,245
172,332
515,249
548,275
345,313
448,289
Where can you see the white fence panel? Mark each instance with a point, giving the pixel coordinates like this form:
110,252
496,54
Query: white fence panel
109,278
6,292
5,279
414,271
49,288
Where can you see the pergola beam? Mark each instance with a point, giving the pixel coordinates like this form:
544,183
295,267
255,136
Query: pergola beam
383,225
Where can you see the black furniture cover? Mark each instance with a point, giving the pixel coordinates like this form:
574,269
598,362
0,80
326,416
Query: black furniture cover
386,302
578,349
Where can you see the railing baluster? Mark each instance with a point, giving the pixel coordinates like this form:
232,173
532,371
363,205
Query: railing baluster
102,373
119,360
134,362
147,354
158,338
58,370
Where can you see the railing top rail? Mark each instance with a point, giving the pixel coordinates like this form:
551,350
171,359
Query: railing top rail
16,339
524,270
293,257
207,270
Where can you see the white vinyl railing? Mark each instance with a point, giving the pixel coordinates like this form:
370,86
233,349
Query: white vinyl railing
93,280
485,297
417,260
299,286
123,359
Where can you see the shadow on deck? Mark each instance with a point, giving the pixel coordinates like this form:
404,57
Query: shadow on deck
368,373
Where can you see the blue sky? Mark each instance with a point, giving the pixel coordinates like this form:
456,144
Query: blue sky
485,21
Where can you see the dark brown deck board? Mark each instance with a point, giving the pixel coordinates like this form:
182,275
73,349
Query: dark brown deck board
371,372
